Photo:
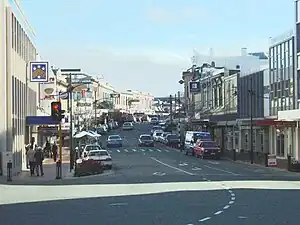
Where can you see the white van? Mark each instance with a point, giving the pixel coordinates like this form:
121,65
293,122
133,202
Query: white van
191,138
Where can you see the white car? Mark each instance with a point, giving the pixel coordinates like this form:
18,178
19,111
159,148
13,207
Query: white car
127,126
89,148
157,134
100,155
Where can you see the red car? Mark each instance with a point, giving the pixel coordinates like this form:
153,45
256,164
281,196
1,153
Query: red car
207,149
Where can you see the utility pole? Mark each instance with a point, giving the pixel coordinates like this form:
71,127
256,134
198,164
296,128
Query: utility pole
71,122
171,109
175,102
251,121
95,100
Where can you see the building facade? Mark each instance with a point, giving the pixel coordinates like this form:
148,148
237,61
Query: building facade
17,49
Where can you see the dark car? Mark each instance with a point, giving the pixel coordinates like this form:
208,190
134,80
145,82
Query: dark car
172,140
114,141
146,140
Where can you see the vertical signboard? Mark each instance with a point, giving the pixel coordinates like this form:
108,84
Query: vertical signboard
194,86
39,72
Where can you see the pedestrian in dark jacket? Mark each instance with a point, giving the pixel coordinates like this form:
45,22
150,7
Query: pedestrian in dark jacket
54,152
39,158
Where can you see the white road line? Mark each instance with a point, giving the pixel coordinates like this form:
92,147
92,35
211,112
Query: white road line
232,194
142,150
118,204
150,150
218,213
225,171
231,202
204,219
134,150
232,198
158,150
118,150
166,150
172,167
226,206
125,150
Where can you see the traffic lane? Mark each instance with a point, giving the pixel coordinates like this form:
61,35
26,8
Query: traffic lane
226,167
167,208
260,207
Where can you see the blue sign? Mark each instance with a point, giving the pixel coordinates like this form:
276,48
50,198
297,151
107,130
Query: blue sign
195,87
40,120
39,71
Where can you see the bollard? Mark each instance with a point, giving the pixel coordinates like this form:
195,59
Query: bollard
266,159
9,171
234,155
289,162
58,170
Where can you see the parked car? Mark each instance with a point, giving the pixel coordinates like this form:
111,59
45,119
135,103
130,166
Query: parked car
163,136
205,149
88,148
157,134
154,121
114,141
102,156
85,167
154,128
146,140
172,140
191,137
127,126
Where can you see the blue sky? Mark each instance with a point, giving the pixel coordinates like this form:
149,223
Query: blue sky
157,35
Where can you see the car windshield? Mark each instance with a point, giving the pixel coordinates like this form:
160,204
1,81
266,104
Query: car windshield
209,144
172,136
114,137
202,136
145,137
98,153
127,124
92,147
165,134
158,133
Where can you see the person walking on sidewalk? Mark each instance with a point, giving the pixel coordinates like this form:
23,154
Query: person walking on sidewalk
54,152
39,158
31,160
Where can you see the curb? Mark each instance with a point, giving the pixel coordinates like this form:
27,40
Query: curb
274,169
90,176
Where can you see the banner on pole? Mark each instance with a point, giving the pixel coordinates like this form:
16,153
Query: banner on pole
38,71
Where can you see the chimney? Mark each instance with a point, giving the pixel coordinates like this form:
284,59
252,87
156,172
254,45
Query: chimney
244,52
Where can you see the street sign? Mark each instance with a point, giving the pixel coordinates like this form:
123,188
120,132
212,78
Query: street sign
195,86
272,161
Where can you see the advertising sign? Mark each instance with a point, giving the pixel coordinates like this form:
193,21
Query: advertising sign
272,161
195,87
38,71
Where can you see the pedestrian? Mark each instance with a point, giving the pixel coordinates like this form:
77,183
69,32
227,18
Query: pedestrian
31,160
54,152
39,158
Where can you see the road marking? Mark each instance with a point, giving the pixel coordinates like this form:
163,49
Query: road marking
166,150
242,217
158,150
196,168
232,198
226,206
213,162
134,150
225,171
142,150
218,213
231,202
125,150
118,204
204,219
182,164
118,150
150,150
159,174
172,167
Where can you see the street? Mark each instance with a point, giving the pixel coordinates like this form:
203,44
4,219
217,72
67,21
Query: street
158,185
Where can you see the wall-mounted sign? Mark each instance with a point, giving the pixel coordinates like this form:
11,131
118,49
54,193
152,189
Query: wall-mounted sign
38,71
195,87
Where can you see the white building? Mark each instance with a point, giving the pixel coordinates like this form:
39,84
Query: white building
19,96
141,102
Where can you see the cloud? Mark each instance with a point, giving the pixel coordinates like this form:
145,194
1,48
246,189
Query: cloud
157,72
161,15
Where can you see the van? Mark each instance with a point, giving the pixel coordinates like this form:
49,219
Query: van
191,138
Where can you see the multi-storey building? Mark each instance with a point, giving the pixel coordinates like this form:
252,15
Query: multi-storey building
19,95
141,102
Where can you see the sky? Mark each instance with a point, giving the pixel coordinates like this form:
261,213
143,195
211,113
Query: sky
145,45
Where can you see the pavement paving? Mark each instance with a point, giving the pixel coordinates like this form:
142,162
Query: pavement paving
158,185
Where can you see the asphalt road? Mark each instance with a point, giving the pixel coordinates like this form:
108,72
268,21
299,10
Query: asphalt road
158,186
